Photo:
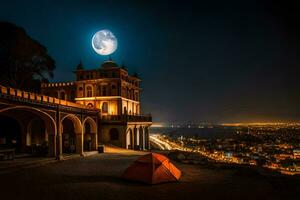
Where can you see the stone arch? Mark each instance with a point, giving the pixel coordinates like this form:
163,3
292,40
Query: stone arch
92,123
31,109
50,125
90,105
77,135
90,134
129,139
76,121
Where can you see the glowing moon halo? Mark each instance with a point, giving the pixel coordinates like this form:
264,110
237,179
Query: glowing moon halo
104,42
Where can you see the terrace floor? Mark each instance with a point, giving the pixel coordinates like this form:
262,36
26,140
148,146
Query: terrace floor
97,177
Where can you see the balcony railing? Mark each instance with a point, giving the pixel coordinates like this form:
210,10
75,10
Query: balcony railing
126,118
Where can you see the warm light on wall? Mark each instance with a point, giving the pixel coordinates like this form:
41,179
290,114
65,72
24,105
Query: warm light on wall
113,108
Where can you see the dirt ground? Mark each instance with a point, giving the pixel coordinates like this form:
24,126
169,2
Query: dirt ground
97,177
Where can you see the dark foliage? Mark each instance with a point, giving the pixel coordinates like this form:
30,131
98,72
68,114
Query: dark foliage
24,62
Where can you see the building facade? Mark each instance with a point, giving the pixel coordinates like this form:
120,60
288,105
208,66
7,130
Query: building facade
116,94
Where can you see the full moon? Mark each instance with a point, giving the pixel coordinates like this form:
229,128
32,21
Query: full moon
104,42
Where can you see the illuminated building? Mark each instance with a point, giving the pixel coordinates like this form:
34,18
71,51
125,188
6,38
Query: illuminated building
116,94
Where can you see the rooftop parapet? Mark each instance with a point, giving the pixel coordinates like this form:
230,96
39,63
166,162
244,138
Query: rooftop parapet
126,118
37,98
61,84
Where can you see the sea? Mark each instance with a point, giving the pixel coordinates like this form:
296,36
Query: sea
215,132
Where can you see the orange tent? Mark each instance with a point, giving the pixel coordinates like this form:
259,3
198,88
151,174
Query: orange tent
152,168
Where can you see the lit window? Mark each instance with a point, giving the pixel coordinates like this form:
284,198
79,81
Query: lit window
105,107
89,91
104,91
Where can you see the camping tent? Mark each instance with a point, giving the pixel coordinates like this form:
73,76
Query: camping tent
152,168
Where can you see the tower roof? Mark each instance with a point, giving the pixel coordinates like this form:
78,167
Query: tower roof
79,66
109,64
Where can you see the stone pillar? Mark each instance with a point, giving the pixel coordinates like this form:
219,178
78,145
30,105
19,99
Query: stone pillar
79,143
144,140
58,137
96,135
129,139
134,143
137,136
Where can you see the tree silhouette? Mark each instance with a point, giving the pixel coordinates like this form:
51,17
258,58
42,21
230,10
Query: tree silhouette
24,62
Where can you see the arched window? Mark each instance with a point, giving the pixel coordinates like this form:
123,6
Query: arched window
104,107
89,91
99,90
131,94
137,109
104,91
137,96
114,134
90,105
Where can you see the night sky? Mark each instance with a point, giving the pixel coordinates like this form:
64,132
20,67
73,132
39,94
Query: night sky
217,62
